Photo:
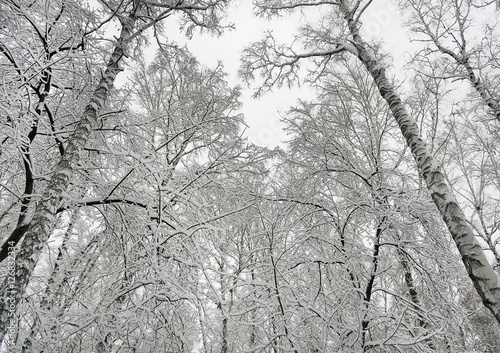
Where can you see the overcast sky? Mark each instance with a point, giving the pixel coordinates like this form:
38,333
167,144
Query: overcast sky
262,115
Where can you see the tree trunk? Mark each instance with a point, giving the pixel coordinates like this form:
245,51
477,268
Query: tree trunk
484,278
44,214
412,291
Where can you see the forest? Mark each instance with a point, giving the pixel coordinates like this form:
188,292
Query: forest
139,217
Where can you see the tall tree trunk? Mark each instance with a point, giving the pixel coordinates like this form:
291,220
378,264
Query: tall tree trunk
484,278
365,322
412,291
44,214
45,302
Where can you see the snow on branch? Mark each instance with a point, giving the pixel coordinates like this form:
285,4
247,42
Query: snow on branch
278,64
284,5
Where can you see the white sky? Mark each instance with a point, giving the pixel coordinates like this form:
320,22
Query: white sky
263,115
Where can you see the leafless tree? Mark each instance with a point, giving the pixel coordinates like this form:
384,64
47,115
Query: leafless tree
342,35
134,17
463,33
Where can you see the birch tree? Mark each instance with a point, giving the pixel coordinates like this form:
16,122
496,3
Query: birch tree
342,35
463,138
36,93
343,146
450,31
134,18
146,273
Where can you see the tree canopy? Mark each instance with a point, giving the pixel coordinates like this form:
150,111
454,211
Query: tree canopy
140,218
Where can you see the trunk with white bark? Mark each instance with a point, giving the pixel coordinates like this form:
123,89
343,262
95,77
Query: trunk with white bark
44,214
485,279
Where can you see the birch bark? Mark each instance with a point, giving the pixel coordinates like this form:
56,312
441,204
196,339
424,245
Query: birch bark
44,214
485,279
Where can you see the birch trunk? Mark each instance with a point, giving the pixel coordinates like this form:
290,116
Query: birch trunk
44,214
485,279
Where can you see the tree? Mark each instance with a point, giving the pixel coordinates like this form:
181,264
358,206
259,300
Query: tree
145,221
279,64
461,126
130,14
447,28
37,93
157,192
369,218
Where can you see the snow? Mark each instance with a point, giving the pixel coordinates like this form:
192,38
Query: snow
350,48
